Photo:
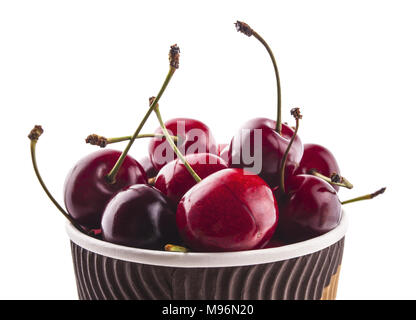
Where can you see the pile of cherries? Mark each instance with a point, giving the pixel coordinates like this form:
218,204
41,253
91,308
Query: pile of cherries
191,194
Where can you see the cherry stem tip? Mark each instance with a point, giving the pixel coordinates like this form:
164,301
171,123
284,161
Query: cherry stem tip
243,28
174,54
35,133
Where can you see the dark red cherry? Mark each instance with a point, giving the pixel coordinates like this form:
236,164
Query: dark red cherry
231,210
87,191
263,155
148,167
140,216
309,209
174,180
319,158
193,137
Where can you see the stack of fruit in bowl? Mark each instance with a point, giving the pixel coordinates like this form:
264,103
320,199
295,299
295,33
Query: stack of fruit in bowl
192,194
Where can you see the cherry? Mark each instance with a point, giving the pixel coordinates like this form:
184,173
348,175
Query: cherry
309,208
139,216
266,152
193,137
174,179
319,161
231,210
261,143
308,205
87,189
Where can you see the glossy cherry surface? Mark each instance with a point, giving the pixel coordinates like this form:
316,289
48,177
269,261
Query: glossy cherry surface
319,158
230,210
309,209
270,149
86,190
174,180
193,137
140,216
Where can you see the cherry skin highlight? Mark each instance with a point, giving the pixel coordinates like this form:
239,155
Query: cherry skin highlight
270,148
194,137
231,210
174,179
140,216
87,191
319,158
309,209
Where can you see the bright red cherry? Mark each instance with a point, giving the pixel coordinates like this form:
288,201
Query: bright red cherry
193,137
231,210
309,208
87,190
263,155
320,159
174,179
140,216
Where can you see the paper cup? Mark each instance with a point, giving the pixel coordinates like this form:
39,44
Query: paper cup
304,270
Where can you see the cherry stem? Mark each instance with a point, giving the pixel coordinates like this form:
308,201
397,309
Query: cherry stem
34,136
96,140
335,179
365,197
295,112
248,31
174,64
173,145
175,248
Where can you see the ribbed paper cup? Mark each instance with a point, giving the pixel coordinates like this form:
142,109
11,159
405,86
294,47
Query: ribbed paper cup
304,270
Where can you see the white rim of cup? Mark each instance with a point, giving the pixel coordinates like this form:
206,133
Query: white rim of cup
207,259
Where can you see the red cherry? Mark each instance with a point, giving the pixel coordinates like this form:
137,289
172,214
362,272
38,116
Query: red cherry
174,179
318,158
309,208
140,216
231,210
193,137
87,190
267,152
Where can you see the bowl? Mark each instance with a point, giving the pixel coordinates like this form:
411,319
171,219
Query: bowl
304,270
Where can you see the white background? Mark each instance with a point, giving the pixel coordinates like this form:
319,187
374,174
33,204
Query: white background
81,67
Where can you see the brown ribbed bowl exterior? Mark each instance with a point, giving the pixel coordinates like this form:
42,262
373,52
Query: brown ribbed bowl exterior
313,276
